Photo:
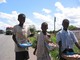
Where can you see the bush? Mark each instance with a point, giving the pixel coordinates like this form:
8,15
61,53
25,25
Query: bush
33,41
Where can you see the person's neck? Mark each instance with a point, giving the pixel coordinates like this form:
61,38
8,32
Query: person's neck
21,25
65,29
44,32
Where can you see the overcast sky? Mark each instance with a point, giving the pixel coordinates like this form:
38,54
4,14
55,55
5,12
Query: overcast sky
38,11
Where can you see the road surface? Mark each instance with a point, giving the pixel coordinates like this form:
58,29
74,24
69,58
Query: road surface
7,48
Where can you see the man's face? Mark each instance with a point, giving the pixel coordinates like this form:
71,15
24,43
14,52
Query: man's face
21,19
65,25
44,27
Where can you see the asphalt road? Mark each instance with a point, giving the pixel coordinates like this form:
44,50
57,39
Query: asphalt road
7,48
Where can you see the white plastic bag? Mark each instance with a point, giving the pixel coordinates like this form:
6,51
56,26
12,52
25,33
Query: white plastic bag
50,46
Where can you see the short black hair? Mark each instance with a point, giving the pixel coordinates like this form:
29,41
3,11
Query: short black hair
21,15
65,20
44,23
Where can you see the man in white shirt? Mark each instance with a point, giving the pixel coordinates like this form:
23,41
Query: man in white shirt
66,39
20,35
41,50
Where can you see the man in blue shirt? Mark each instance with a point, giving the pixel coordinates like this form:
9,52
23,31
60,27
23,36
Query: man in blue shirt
66,39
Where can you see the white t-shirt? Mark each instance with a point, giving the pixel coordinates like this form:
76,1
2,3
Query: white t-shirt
42,51
68,39
21,36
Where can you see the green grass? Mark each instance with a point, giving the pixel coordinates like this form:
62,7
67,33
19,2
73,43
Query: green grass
55,52
33,41
76,50
53,38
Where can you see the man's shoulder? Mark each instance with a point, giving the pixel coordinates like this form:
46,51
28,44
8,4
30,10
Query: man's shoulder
71,32
15,25
59,32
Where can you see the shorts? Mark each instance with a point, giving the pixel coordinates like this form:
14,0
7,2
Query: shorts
22,55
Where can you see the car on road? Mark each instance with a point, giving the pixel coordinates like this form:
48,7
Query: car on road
1,31
9,30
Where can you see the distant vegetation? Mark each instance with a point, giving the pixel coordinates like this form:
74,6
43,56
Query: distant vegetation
71,27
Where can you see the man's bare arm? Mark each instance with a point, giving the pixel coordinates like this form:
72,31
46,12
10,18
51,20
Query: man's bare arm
60,45
14,39
77,44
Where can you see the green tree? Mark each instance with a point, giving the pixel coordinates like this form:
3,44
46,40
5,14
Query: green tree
71,27
32,28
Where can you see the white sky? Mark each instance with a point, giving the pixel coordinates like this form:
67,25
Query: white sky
72,13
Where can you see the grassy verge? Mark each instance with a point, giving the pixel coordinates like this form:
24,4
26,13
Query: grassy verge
54,53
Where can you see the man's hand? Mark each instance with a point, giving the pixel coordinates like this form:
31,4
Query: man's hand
34,52
19,46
